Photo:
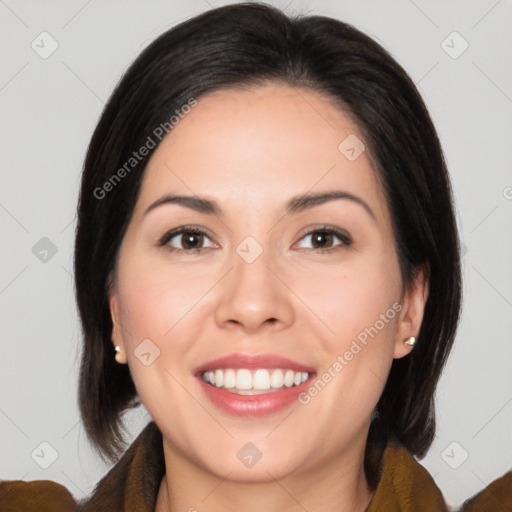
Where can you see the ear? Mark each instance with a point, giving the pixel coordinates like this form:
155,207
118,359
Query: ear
411,314
117,336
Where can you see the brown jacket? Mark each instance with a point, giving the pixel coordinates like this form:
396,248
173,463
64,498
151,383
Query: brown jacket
132,486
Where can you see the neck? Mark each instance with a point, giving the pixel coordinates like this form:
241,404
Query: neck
339,485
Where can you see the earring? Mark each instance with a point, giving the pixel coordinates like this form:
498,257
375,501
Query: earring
410,341
118,349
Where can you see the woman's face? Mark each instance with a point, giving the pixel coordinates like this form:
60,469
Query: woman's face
263,279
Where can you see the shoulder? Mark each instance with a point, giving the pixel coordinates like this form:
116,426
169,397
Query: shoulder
405,485
38,495
497,496
132,484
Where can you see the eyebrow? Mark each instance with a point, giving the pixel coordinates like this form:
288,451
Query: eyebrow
295,205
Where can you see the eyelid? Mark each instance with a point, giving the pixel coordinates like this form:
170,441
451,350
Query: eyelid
339,233
163,240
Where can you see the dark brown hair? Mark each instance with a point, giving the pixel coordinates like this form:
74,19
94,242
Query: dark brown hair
242,45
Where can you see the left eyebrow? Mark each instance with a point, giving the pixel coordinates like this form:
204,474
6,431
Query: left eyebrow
305,201
295,205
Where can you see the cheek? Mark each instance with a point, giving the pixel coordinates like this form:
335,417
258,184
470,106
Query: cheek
165,306
155,300
159,311
359,310
351,297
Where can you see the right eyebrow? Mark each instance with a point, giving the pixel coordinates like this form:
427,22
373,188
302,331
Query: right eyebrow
196,203
296,204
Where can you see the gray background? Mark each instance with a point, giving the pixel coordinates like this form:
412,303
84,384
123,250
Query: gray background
49,108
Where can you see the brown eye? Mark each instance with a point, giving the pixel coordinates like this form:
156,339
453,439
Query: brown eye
185,240
322,239
191,240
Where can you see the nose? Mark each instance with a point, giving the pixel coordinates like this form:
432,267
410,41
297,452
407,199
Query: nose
254,297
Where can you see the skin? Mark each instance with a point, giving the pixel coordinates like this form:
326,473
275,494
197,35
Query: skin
252,150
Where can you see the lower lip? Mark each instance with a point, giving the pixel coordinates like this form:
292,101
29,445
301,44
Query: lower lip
253,405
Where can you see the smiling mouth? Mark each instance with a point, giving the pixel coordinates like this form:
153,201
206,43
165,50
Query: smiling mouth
243,381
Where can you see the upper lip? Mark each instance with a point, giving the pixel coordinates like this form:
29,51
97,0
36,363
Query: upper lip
252,361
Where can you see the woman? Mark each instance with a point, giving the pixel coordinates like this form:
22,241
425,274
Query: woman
267,259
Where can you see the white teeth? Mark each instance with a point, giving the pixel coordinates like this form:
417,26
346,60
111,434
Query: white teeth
229,379
277,379
243,379
219,378
257,380
288,379
261,379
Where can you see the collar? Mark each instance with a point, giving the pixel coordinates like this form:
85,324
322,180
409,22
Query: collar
132,485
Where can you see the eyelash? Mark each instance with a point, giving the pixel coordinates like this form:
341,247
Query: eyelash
341,235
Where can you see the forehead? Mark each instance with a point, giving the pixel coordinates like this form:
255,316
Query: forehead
271,141
275,116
